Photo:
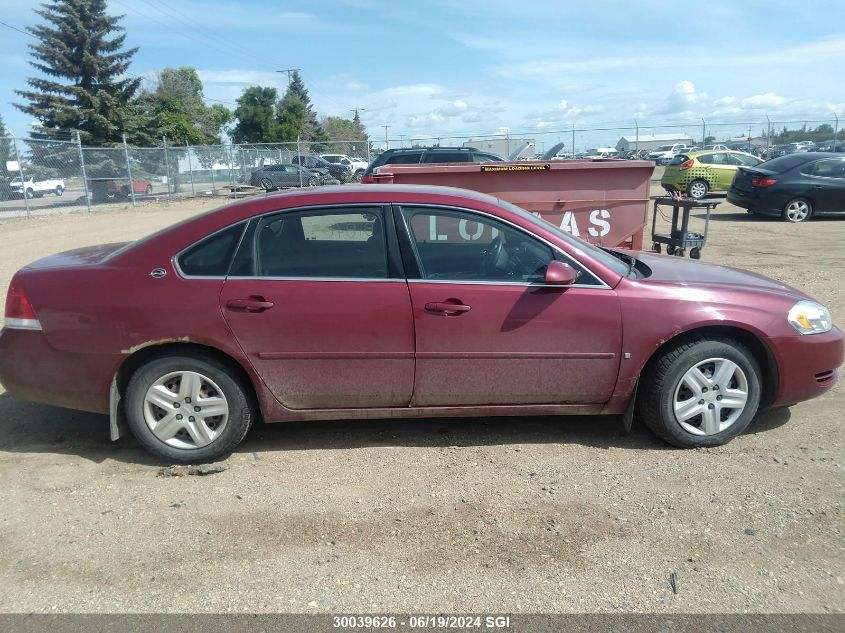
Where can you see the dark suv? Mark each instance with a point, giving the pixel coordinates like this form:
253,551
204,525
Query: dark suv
417,155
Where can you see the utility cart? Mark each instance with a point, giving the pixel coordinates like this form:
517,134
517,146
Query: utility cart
680,238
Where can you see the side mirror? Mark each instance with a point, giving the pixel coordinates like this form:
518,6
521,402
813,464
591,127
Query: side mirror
560,274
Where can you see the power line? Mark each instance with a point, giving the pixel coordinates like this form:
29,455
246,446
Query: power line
14,28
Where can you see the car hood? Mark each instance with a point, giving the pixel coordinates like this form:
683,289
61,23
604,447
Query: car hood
678,271
86,256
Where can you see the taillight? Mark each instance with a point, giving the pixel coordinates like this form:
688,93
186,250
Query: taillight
763,182
19,311
368,179
687,164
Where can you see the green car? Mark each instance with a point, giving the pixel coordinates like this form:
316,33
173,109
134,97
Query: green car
699,173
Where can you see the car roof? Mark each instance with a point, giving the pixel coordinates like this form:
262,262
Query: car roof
704,152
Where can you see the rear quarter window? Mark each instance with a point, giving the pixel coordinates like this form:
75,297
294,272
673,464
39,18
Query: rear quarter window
211,256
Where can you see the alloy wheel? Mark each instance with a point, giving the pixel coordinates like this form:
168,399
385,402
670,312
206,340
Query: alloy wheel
797,211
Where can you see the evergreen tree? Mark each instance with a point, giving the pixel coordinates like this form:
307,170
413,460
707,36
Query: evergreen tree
311,130
256,116
80,50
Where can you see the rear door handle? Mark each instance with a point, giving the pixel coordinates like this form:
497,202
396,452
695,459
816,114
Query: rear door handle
446,308
253,304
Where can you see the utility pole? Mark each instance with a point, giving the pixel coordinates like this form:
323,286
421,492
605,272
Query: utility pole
386,143
401,140
356,110
289,71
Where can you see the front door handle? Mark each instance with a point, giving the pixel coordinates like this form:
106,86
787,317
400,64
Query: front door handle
253,304
447,308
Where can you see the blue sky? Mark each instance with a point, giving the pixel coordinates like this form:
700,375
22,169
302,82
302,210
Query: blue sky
435,68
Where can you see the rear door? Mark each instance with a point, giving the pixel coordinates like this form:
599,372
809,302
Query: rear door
319,305
828,184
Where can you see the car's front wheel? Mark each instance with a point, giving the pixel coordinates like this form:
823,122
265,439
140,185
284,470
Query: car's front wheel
188,409
797,210
700,393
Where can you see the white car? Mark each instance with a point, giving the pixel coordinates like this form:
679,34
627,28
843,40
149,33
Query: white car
32,188
663,154
356,166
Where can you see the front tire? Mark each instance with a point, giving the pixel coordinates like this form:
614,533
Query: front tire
59,191
312,182
797,210
148,190
700,393
698,188
188,409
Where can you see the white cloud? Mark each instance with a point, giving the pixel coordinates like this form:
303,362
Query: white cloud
768,100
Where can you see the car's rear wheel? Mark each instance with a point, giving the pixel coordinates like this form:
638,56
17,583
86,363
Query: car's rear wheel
148,190
59,190
797,210
698,188
188,409
700,393
266,183
359,173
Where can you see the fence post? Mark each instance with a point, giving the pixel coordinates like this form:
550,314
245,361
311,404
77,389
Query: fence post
231,166
20,172
211,157
637,140
190,167
129,172
84,175
299,161
166,166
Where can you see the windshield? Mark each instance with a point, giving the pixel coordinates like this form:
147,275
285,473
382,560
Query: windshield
595,252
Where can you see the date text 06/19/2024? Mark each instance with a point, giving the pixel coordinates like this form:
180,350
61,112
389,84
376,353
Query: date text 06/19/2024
429,621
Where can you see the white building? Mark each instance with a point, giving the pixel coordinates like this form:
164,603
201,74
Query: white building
651,141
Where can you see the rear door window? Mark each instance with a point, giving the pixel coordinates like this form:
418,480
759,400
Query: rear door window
446,157
334,243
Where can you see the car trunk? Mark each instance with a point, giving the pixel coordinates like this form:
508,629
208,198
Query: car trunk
744,176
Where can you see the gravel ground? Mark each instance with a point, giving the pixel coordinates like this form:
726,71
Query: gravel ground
502,515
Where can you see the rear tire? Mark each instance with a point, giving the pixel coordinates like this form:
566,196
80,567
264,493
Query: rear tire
192,383
797,210
148,190
685,408
698,188
266,183
59,191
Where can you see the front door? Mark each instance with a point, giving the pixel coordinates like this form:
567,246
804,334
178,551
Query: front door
488,331
323,316
828,188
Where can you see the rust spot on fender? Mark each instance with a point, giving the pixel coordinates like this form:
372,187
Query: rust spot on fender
135,348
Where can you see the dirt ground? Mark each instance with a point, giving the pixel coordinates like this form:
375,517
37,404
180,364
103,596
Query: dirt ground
487,515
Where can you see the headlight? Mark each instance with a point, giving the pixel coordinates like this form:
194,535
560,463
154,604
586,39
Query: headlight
809,317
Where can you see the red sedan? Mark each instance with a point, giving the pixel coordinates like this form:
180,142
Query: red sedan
400,301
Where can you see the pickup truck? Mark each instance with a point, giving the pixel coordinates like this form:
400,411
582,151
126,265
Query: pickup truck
357,166
32,188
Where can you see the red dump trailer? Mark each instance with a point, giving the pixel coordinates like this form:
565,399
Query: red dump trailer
604,202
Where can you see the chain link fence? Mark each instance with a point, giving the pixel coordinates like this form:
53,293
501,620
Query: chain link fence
40,176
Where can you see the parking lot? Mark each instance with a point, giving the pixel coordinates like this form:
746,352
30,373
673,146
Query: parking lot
495,515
